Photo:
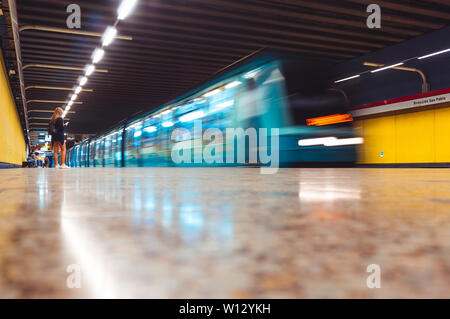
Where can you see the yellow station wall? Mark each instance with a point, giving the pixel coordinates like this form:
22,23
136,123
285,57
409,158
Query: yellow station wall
12,143
416,137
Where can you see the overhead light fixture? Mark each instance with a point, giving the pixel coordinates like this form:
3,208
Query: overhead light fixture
70,103
387,67
74,97
167,124
83,80
108,36
232,84
211,93
78,90
192,116
125,8
166,112
89,69
97,55
67,108
349,78
433,54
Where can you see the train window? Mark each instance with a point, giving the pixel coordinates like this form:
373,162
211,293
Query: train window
75,155
260,98
99,152
117,147
91,152
82,155
109,159
150,142
133,135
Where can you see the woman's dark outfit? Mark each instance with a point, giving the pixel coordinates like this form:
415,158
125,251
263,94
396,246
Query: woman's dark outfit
59,127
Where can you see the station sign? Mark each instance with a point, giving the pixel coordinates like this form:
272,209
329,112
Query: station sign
408,102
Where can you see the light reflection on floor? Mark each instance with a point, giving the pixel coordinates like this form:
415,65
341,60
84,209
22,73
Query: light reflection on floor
224,232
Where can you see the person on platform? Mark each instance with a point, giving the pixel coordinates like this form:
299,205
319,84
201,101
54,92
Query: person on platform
56,130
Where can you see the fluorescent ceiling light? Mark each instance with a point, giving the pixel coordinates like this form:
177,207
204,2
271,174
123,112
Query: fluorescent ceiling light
125,8
433,54
83,81
74,97
387,67
78,90
211,93
109,35
349,78
67,108
232,84
97,55
70,103
89,69
192,116
167,124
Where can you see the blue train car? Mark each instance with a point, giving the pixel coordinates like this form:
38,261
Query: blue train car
259,97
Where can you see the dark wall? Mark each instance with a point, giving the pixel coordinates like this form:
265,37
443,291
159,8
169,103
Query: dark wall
383,85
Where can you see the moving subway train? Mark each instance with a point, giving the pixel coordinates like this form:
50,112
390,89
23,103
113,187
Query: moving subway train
299,120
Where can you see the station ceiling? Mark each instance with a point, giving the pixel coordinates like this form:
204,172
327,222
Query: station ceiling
178,44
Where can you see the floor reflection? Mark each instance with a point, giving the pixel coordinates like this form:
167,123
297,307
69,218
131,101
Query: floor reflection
168,232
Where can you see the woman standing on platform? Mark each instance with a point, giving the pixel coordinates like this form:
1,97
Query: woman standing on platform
56,130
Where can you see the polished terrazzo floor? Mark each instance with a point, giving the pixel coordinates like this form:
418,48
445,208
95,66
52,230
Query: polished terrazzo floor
224,232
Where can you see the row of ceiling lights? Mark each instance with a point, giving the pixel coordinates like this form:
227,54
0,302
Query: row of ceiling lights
392,66
124,10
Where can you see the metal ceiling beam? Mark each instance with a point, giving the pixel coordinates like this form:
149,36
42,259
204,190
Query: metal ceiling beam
41,118
51,101
43,87
61,67
70,31
45,111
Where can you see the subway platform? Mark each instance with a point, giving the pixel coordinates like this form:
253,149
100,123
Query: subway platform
224,233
